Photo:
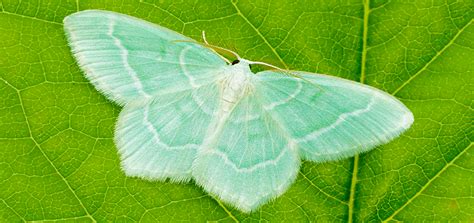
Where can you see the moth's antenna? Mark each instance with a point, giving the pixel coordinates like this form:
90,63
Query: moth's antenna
207,44
213,47
284,71
265,64
224,49
204,37
275,67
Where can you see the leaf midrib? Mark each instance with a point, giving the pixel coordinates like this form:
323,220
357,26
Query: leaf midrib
367,11
355,166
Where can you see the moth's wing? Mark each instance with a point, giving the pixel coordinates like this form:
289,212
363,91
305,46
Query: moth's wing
128,59
158,140
331,118
247,160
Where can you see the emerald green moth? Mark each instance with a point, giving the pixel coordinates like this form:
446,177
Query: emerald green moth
189,114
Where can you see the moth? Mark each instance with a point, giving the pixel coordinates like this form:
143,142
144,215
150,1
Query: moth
190,114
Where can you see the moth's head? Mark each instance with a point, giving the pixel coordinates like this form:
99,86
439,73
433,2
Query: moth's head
241,63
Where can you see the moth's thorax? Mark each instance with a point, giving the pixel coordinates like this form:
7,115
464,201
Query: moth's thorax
236,83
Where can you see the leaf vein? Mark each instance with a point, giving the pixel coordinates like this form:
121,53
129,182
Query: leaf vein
433,58
259,34
44,154
30,17
322,191
442,170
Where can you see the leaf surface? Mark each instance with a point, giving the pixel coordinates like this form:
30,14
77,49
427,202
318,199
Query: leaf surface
57,157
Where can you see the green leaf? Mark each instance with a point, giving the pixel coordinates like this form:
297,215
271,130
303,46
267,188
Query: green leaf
57,157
